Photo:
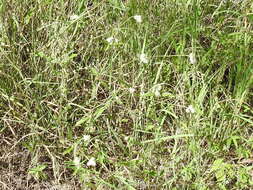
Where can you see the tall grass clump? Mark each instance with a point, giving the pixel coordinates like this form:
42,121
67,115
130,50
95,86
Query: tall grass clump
128,94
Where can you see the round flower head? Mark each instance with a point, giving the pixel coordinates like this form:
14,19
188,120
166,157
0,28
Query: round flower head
112,40
157,93
92,162
143,58
192,58
86,137
131,90
190,109
157,90
73,17
138,18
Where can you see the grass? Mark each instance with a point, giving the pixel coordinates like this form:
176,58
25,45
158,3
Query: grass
178,118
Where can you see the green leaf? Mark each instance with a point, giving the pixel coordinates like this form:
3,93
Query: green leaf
83,120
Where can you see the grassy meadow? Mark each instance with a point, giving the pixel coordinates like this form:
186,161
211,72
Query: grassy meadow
126,94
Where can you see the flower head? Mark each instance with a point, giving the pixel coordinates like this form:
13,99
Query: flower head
138,18
126,138
157,90
157,93
190,109
143,58
192,58
73,17
92,162
86,137
131,90
112,40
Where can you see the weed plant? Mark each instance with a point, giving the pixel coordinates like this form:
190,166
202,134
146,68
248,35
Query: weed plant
114,94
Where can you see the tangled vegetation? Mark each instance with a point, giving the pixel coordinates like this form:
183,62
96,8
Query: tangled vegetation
114,94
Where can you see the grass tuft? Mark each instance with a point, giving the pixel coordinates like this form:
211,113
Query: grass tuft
126,94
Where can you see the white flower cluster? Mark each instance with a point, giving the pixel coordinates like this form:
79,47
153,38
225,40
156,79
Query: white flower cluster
190,109
157,90
143,58
91,162
192,58
112,40
138,18
77,160
74,17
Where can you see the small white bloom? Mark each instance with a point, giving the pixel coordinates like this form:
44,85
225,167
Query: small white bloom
131,90
138,18
111,40
92,162
190,109
157,89
143,58
157,93
77,161
126,138
73,17
192,58
86,137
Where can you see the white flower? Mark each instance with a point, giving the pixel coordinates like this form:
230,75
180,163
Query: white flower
190,109
92,162
77,161
143,58
192,58
73,17
157,90
86,137
111,40
157,93
131,90
138,18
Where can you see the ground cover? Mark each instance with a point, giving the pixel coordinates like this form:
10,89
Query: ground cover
111,94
